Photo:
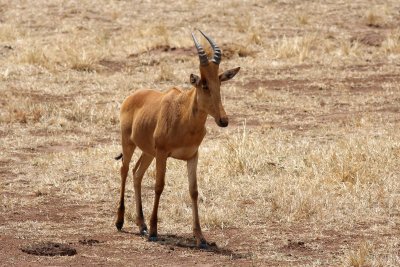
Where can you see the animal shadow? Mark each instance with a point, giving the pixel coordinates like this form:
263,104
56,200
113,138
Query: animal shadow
175,241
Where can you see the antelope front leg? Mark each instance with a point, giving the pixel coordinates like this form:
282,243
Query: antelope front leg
161,163
192,175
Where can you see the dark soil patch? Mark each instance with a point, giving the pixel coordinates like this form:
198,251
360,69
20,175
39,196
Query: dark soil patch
232,50
369,38
276,84
185,51
5,50
113,65
299,245
56,148
228,51
364,84
49,249
89,242
33,96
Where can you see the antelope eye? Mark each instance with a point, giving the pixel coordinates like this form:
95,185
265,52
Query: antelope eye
205,86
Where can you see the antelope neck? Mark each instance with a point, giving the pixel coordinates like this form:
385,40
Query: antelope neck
197,117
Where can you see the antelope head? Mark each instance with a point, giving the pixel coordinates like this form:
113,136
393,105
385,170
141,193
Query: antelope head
209,83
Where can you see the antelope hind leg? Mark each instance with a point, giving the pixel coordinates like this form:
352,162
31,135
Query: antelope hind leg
128,150
144,163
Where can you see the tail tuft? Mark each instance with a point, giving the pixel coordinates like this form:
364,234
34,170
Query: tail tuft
120,156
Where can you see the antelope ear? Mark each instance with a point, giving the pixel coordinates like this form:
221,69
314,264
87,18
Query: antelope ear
229,74
194,79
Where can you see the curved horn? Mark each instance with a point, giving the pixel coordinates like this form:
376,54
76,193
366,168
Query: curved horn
217,51
202,55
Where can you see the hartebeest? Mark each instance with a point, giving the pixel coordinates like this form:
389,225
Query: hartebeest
171,124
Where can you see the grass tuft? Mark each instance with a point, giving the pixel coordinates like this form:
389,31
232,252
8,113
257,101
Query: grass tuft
359,257
303,19
35,56
296,47
166,73
373,19
81,61
392,43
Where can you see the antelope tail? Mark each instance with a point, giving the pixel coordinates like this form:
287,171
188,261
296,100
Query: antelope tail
120,156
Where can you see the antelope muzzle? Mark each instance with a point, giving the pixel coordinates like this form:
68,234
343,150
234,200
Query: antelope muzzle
222,122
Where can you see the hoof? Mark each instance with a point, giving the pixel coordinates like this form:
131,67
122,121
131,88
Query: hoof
203,245
153,238
143,230
119,225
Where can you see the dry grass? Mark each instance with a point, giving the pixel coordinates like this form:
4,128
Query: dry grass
373,18
392,44
297,47
33,55
311,154
81,60
303,18
8,33
243,22
166,73
358,258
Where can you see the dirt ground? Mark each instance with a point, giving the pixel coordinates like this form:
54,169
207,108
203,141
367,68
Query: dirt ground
305,175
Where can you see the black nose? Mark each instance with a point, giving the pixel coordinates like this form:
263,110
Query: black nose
223,122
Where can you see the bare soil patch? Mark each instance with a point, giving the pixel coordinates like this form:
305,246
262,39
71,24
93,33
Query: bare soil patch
89,242
369,38
171,50
49,249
